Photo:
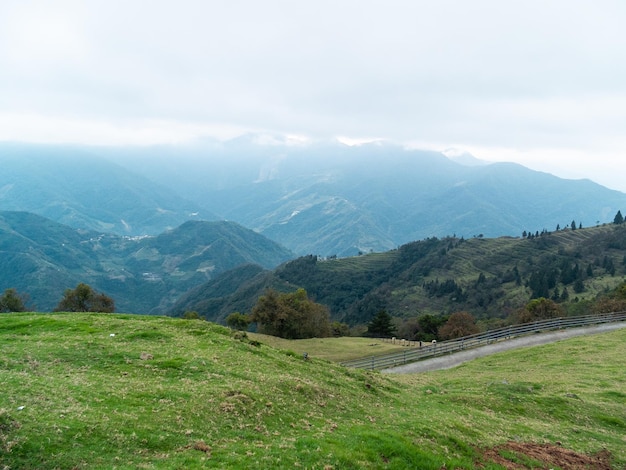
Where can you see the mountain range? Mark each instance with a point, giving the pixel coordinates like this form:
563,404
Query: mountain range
155,227
77,187
322,198
147,274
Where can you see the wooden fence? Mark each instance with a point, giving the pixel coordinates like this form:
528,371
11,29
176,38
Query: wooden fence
427,350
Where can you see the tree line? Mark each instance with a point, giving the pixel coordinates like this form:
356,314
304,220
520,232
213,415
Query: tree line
295,316
83,298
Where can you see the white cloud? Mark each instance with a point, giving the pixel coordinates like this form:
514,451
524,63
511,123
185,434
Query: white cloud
540,79
53,129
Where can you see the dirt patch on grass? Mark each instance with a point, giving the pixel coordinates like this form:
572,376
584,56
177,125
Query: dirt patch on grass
524,455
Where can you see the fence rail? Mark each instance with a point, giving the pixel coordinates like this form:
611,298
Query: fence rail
428,350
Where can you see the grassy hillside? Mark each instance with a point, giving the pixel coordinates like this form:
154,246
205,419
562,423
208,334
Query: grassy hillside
489,278
125,391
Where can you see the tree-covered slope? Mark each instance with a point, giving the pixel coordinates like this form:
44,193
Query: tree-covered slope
489,278
143,275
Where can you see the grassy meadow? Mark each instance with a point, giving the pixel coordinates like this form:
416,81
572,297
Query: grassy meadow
332,349
85,391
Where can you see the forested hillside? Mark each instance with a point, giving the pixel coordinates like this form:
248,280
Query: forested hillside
490,278
41,259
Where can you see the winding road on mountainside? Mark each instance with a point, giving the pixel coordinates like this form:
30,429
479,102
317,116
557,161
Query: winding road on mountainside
455,359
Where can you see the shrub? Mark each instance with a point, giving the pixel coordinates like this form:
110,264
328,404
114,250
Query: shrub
458,325
84,299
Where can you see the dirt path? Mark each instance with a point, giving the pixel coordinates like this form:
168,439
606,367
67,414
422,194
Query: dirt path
455,359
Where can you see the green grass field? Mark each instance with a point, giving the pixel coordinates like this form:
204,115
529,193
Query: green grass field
332,349
125,391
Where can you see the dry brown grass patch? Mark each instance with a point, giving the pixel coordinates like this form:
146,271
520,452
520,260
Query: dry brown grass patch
525,455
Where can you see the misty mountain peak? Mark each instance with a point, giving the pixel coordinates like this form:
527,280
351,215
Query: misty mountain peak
463,157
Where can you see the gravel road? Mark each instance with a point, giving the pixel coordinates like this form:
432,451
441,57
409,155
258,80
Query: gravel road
455,359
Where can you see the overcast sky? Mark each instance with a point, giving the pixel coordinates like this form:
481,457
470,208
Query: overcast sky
542,83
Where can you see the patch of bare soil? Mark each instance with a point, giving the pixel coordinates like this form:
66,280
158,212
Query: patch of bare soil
525,455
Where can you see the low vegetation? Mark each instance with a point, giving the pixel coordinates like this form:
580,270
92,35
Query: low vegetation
290,316
84,299
84,390
12,301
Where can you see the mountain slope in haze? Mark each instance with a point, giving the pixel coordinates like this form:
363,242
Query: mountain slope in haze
75,187
42,258
333,199
324,198
489,278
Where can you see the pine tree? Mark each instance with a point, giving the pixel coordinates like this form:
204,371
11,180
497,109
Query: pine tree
381,325
619,218
579,286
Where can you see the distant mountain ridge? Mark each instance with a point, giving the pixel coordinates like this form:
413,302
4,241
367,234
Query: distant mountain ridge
142,274
334,199
323,198
75,186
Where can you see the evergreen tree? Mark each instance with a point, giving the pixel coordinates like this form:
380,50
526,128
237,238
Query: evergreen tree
381,325
429,326
579,286
619,218
610,267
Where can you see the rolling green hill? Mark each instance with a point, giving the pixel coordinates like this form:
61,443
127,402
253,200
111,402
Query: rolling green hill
490,278
96,391
142,274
